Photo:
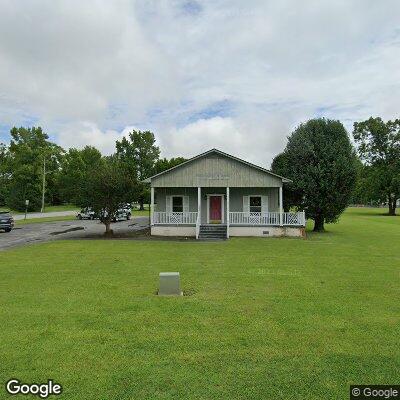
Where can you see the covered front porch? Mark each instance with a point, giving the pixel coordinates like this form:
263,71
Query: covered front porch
239,209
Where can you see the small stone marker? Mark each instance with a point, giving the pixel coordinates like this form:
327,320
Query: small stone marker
169,284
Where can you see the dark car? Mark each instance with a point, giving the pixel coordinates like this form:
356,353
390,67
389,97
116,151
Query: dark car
6,221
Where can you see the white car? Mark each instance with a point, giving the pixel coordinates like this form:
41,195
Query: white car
86,213
122,214
127,208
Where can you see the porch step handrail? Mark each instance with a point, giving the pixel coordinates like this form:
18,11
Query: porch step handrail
176,218
268,218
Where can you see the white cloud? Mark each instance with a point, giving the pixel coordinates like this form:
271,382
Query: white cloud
257,142
85,70
86,133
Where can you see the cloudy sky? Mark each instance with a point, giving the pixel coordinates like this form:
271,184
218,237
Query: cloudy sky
232,74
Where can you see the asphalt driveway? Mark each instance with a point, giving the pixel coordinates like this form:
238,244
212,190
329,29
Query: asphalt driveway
46,231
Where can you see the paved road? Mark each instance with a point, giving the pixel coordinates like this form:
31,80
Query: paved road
46,231
44,215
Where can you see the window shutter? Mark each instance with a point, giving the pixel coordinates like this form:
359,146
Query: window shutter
185,204
264,204
168,204
246,204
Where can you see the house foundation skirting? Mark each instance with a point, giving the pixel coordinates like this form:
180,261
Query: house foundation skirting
257,231
170,230
267,231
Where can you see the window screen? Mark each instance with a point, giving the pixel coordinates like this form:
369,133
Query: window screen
177,204
255,204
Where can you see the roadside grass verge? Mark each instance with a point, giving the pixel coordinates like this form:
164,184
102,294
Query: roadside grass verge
44,219
63,207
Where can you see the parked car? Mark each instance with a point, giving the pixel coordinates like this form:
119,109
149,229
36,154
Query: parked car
86,213
122,214
127,208
6,221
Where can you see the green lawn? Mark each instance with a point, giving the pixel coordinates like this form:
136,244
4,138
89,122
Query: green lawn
265,319
63,207
138,213
44,219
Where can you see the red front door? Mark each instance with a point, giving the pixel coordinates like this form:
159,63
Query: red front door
215,209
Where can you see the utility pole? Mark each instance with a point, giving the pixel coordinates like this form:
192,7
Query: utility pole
44,183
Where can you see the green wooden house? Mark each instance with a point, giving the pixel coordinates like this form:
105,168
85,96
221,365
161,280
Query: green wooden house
215,195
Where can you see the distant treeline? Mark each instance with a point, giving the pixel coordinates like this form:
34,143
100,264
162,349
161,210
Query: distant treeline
326,170
30,155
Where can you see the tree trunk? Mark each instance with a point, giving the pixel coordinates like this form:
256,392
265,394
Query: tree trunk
141,202
392,206
109,231
319,223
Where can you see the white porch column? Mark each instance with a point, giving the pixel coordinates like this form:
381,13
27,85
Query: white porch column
199,203
152,206
227,212
281,205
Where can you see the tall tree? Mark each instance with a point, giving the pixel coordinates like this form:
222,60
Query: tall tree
292,196
75,167
379,146
140,154
5,174
321,163
109,185
29,149
365,191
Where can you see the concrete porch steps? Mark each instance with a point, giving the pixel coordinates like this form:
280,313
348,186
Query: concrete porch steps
212,232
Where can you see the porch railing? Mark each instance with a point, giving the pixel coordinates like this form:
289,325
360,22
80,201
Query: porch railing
179,218
294,218
235,218
270,218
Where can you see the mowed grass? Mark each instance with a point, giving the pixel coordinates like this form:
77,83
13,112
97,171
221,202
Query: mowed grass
44,219
266,318
135,213
63,207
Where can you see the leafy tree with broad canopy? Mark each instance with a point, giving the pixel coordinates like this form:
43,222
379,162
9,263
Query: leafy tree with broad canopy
4,173
379,146
365,192
75,168
108,187
291,196
28,148
140,153
321,162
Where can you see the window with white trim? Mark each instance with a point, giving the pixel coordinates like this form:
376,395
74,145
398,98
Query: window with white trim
177,204
255,204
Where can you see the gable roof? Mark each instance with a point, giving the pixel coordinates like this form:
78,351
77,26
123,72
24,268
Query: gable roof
216,151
